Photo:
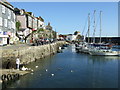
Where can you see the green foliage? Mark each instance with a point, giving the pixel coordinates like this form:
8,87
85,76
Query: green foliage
34,31
40,30
76,32
18,24
54,34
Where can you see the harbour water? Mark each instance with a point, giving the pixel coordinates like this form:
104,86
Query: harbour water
71,70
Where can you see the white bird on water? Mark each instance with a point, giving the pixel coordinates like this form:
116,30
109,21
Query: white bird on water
52,74
71,71
46,70
36,66
32,70
32,73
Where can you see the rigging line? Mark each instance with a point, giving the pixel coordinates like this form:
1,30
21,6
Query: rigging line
92,18
94,25
85,26
86,33
97,21
90,23
86,23
93,21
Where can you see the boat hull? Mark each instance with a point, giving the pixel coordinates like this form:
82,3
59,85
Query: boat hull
104,53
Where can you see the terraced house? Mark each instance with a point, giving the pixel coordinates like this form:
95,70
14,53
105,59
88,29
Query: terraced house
7,23
28,23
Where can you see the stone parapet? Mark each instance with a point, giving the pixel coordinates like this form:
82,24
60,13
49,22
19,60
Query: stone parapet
28,54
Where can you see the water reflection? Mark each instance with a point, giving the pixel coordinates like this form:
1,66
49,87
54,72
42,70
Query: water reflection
103,59
71,70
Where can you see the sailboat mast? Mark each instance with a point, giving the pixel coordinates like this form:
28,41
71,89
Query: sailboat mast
88,27
100,25
94,27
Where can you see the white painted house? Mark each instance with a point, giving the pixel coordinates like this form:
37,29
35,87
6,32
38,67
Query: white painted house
7,23
71,37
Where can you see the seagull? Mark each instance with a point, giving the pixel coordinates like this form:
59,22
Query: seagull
36,66
46,70
32,73
71,71
52,74
32,70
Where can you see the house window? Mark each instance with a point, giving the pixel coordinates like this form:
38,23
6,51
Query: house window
9,24
14,17
9,14
3,9
29,21
1,21
13,25
5,22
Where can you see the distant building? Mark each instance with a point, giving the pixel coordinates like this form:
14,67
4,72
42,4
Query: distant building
114,40
74,37
28,22
25,23
40,22
49,31
71,37
62,37
7,23
48,27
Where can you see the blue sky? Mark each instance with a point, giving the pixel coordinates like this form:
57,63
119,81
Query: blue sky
67,17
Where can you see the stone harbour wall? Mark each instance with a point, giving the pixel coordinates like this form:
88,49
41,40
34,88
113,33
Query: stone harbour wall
28,54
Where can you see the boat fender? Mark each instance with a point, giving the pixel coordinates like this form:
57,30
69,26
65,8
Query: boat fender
9,77
3,77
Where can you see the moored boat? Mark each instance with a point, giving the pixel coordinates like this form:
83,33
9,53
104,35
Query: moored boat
103,50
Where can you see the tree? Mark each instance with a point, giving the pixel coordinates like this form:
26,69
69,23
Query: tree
39,30
18,24
76,32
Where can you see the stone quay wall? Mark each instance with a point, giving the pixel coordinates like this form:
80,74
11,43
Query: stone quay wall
28,54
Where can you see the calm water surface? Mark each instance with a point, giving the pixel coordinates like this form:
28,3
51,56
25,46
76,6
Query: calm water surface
71,70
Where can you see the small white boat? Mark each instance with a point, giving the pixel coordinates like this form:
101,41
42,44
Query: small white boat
100,52
85,49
